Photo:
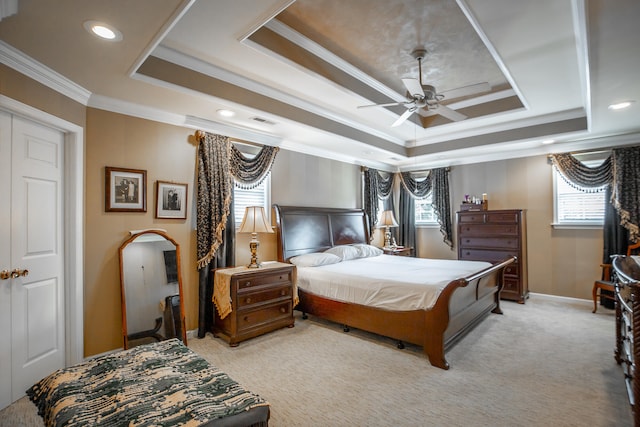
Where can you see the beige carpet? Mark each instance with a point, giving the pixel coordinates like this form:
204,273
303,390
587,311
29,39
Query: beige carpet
548,362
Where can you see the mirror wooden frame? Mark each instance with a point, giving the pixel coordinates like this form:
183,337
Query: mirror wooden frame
134,235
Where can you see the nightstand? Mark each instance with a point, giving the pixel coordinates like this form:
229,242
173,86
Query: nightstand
253,301
398,251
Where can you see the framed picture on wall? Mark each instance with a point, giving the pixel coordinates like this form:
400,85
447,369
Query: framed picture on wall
125,190
171,200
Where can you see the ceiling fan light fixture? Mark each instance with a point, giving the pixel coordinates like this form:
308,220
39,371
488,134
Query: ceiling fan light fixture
620,105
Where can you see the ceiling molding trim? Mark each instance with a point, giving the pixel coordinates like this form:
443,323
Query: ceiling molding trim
581,34
232,131
135,110
211,70
161,34
265,19
466,9
576,113
329,57
17,60
522,133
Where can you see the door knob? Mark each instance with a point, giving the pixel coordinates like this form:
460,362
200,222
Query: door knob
17,273
4,274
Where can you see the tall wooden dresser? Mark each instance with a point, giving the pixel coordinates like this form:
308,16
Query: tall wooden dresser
494,236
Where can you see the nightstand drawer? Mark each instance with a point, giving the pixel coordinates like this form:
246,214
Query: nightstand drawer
247,281
266,295
265,315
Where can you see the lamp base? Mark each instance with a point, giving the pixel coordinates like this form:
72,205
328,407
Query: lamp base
253,246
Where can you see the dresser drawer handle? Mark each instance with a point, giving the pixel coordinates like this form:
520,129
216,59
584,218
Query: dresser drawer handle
247,284
247,300
246,318
283,310
283,292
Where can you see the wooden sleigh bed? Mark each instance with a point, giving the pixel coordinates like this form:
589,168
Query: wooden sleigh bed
460,305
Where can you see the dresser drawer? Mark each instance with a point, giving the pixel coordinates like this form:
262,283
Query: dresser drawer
488,230
489,242
265,315
249,282
474,218
512,270
248,299
486,255
493,217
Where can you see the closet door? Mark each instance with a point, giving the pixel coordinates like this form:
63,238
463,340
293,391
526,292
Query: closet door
5,259
33,231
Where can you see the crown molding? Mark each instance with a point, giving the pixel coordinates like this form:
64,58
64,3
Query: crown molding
211,70
17,60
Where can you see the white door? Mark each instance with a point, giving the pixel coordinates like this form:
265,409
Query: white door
5,259
36,236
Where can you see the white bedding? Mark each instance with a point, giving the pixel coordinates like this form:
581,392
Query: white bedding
386,281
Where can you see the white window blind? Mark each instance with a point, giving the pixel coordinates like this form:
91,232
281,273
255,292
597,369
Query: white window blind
259,196
575,207
424,211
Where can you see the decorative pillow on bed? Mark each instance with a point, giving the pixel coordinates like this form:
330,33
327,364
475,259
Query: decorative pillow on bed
345,252
315,259
367,251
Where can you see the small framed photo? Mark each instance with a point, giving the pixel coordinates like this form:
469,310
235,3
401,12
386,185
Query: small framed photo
171,200
125,190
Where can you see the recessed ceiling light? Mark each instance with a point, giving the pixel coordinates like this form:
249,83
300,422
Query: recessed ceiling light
226,113
102,30
548,141
620,105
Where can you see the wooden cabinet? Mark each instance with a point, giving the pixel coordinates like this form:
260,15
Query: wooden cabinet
494,236
261,301
398,251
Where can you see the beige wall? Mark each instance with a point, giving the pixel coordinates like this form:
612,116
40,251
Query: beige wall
167,153
562,262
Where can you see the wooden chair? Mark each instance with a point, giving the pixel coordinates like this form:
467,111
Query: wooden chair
606,284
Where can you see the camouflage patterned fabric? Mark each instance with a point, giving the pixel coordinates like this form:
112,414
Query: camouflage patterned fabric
159,384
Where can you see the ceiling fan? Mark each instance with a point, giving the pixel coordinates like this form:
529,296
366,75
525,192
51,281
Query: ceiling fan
425,99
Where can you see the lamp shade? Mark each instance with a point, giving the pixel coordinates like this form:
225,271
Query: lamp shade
254,221
387,220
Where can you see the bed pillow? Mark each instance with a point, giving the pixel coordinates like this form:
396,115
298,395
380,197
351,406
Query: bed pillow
345,252
367,251
314,259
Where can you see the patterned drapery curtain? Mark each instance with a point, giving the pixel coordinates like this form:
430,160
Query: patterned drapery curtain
583,177
437,183
219,162
620,171
377,185
626,188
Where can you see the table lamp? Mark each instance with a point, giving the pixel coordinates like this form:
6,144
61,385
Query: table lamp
254,222
387,221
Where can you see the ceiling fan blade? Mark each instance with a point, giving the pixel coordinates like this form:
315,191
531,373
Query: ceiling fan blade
449,113
466,91
383,105
414,87
403,117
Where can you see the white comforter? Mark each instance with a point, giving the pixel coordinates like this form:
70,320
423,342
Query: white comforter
386,281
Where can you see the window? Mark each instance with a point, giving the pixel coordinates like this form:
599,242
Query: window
573,207
259,196
425,215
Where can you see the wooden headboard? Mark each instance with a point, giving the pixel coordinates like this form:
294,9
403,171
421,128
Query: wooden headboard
303,229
